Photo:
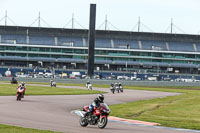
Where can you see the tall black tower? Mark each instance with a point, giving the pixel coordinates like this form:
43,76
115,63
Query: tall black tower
91,38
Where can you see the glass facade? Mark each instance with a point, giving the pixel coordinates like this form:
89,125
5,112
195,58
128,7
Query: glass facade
103,54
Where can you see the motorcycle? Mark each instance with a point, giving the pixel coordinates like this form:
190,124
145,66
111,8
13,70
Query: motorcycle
13,81
121,88
117,88
20,92
89,86
53,84
112,89
98,117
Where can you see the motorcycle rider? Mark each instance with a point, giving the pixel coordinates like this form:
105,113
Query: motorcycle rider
51,82
120,84
22,85
111,85
115,85
88,82
96,103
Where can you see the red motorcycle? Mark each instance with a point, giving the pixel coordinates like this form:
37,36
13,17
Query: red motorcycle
20,92
98,117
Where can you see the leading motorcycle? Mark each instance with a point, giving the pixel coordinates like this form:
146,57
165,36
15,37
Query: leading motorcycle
20,92
98,117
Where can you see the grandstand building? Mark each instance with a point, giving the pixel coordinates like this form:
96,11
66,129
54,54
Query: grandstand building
114,50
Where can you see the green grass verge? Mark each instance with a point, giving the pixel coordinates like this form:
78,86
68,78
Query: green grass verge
15,129
10,89
182,111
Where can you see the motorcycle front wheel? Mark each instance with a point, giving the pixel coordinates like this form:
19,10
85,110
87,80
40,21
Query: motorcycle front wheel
83,122
103,122
18,97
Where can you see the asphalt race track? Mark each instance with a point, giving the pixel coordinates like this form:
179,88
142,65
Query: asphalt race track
54,112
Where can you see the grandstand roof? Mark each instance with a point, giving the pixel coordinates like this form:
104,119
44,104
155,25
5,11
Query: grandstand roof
99,33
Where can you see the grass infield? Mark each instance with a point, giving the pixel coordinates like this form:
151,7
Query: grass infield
10,89
182,111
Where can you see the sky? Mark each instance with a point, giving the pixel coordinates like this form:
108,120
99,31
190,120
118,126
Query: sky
123,15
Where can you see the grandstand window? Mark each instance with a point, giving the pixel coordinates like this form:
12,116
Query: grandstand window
34,49
123,52
197,56
44,55
32,55
100,52
135,53
79,51
2,47
197,62
179,56
20,48
157,60
11,48
145,54
55,50
16,54
42,50
21,54
67,50
100,58
77,57
9,54
189,56
121,59
66,56
168,55
157,54
56,56
47,49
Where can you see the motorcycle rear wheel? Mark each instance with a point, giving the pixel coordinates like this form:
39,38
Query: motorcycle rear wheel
102,124
83,122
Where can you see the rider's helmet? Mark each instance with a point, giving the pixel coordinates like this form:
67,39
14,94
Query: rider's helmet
88,82
23,84
101,97
119,83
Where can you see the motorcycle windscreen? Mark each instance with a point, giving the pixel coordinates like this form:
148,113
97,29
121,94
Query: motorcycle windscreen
105,106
